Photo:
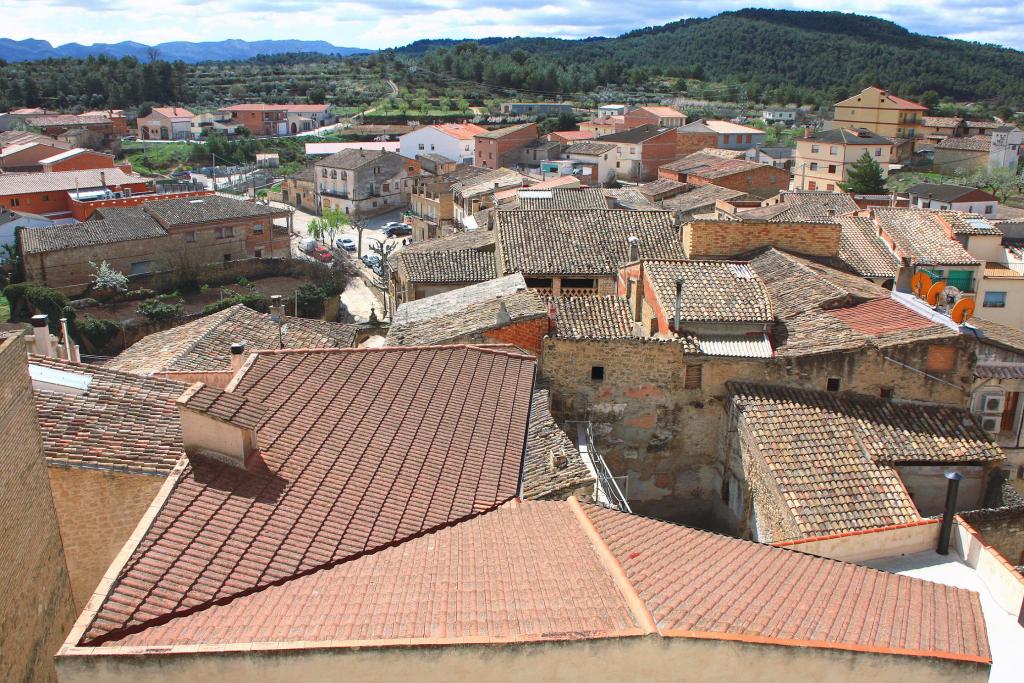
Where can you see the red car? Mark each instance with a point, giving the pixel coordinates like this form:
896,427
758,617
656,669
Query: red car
321,254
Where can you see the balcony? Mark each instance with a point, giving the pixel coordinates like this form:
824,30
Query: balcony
340,194
962,280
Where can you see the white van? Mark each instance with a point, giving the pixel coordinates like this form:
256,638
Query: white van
307,245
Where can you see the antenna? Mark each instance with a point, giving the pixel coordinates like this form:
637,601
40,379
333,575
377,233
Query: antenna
934,291
962,310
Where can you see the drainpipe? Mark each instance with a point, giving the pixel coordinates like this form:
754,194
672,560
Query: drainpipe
679,303
947,517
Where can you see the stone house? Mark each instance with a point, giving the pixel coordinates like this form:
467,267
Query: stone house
702,168
500,147
36,602
425,269
299,190
97,131
432,202
157,235
364,182
642,151
473,194
962,154
938,127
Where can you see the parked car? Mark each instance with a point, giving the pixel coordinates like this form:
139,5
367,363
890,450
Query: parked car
322,254
371,260
181,175
346,243
398,229
307,245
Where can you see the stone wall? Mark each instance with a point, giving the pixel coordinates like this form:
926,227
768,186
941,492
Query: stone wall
725,239
97,511
36,607
668,438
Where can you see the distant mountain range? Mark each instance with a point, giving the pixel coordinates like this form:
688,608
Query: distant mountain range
30,49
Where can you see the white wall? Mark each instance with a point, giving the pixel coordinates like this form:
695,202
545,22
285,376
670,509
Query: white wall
433,140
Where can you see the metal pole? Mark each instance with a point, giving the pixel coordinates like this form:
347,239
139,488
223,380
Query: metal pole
947,517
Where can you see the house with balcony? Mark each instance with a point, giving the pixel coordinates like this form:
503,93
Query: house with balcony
881,112
278,119
364,182
823,158
432,203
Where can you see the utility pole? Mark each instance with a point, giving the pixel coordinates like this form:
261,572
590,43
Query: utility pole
214,172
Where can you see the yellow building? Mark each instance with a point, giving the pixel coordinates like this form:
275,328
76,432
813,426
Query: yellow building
881,112
822,159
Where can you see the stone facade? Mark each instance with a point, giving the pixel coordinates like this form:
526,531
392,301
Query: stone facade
36,607
723,239
657,412
97,511
1003,529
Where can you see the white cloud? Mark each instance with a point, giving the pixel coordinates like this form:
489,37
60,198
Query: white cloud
377,24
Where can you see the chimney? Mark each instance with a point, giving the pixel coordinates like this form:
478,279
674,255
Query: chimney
219,425
679,302
277,308
807,132
634,248
42,344
237,356
503,317
947,517
103,178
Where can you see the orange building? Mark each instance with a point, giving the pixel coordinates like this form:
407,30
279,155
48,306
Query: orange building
48,194
79,159
494,148
278,119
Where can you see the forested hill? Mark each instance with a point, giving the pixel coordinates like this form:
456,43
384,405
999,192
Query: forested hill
783,56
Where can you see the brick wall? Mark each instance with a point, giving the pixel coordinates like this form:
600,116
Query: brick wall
667,438
709,238
657,152
526,334
97,512
766,181
36,608
688,143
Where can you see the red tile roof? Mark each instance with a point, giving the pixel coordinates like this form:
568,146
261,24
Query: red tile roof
461,131
881,316
542,571
361,448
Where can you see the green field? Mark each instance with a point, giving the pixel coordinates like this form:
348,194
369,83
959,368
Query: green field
157,158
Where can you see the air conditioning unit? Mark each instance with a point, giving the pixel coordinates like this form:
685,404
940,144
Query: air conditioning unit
992,403
990,424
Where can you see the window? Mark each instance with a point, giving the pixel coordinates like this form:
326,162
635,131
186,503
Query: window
771,179
814,149
258,253
833,384
420,146
994,300
693,376
814,166
227,257
46,197
878,152
749,138
597,373
833,150
323,172
811,185
15,201
385,187
886,393
830,187
190,236
940,359
257,228
988,209
221,233
334,175
376,170
831,168
140,267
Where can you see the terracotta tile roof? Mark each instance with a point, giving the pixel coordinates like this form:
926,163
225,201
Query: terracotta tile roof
630,199
531,199
351,159
573,134
591,317
502,132
116,225
665,112
178,113
120,422
298,108
479,184
713,291
591,148
701,585
467,265
469,323
946,192
229,408
453,302
585,242
975,143
848,136
360,449
712,166
460,131
65,181
552,468
661,186
920,235
996,334
983,124
881,316
67,120
863,250
174,212
986,371
635,136
204,344
556,571
700,199
813,205
941,121
964,223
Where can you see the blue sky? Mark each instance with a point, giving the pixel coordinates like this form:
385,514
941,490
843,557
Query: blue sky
380,23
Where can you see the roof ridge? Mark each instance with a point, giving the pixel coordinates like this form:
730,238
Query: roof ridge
225,314
628,591
484,348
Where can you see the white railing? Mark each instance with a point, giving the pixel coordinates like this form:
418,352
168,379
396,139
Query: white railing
607,490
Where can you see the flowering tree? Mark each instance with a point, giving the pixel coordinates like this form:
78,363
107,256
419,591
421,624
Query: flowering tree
105,278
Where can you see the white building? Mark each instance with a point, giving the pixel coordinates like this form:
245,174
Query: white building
602,156
451,140
779,116
611,110
952,198
1005,151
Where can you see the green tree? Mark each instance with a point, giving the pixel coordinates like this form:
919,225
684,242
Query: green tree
865,176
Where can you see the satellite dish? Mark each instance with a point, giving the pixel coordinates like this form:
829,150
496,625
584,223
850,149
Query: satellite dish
962,310
920,283
950,294
934,291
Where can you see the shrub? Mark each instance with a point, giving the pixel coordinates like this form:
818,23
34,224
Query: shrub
28,299
156,310
106,279
310,300
138,294
257,302
96,332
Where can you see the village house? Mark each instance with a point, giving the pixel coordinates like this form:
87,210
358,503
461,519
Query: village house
702,168
299,190
604,125
79,159
26,157
153,613
534,198
961,155
432,204
364,182
1007,148
719,134
96,131
278,119
154,236
569,137
54,194
937,127
165,123
663,188
823,158
699,202
783,116
454,141
952,198
601,158
474,195
659,116
881,112
498,148
779,157
981,127
425,269
642,151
